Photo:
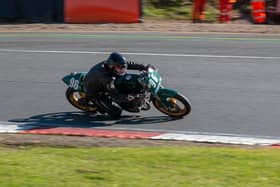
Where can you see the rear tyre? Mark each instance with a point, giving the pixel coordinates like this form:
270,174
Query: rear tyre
75,97
178,106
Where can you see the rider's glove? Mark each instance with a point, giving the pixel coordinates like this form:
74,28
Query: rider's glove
135,66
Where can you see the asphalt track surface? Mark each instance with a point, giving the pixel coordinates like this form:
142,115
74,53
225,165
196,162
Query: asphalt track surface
231,80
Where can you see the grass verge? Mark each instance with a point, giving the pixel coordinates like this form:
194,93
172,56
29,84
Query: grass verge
148,166
182,12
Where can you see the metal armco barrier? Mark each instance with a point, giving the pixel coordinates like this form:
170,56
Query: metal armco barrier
102,11
32,10
8,9
273,11
258,11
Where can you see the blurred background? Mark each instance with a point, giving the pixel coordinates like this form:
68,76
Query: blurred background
131,11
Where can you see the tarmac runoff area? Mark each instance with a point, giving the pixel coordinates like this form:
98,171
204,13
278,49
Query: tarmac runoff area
7,127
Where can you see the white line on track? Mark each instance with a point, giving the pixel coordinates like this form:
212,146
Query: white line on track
141,54
11,127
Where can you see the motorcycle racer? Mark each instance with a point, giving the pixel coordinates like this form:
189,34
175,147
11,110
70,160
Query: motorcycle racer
100,79
117,90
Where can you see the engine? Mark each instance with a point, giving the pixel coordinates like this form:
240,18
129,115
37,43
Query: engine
130,84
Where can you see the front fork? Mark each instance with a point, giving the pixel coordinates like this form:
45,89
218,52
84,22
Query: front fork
163,94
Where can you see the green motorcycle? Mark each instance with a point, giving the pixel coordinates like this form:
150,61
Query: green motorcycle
144,88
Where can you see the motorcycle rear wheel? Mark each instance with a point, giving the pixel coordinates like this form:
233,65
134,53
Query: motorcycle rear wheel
73,96
179,106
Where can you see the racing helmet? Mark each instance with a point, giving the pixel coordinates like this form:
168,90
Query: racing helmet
116,63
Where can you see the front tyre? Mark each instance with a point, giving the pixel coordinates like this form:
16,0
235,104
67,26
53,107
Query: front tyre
177,106
75,97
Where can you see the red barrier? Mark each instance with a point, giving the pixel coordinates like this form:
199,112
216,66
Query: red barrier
102,11
258,11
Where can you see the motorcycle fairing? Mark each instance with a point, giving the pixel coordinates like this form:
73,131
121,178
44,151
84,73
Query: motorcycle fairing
75,80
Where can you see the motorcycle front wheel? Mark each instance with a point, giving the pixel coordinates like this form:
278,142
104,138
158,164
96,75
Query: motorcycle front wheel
178,106
75,97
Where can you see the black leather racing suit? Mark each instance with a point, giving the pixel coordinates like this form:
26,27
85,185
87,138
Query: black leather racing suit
100,79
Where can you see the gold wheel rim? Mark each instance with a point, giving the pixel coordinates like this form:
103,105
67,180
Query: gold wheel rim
75,96
174,103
